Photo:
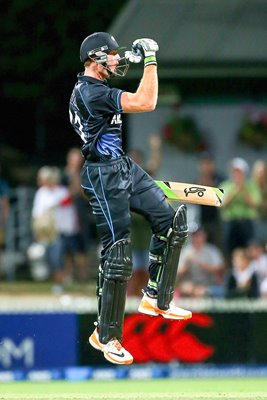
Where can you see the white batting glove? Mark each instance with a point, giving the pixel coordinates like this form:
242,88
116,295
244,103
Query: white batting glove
133,58
147,48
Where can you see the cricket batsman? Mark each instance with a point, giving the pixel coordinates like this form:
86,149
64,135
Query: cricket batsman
116,185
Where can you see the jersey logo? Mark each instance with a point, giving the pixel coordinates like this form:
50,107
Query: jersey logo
116,119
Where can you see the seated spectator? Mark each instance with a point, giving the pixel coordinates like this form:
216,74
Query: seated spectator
258,262
201,269
242,279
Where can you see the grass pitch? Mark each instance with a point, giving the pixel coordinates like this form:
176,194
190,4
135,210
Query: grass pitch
157,389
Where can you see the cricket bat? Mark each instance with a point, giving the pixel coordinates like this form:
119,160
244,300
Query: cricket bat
192,193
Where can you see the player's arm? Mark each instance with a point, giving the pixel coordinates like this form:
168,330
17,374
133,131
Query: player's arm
146,96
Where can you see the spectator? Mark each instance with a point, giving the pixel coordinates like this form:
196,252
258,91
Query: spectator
55,224
140,229
242,279
87,236
258,262
239,210
259,176
210,217
201,268
72,179
45,229
153,163
72,170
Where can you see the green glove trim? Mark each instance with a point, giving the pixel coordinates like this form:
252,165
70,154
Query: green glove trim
151,60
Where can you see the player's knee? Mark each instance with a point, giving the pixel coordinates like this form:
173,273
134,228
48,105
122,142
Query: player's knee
118,264
163,223
179,225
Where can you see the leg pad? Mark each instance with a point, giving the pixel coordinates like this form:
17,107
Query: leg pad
175,240
117,271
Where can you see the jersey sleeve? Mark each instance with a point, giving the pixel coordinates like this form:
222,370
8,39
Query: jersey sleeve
106,100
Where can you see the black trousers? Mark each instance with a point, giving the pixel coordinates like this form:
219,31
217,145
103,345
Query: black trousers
114,188
237,233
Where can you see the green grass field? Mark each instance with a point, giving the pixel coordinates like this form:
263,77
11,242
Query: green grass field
158,389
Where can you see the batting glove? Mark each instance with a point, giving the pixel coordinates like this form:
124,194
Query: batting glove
147,48
133,58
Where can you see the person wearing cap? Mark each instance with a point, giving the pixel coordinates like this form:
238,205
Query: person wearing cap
239,210
115,185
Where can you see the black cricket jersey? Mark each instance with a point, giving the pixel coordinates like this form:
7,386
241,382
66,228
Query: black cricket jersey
95,113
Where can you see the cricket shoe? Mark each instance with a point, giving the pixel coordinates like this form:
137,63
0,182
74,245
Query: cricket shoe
149,306
113,350
94,341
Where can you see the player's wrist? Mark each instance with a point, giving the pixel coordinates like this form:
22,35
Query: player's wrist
150,60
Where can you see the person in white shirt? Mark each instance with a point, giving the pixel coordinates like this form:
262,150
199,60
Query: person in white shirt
201,267
55,221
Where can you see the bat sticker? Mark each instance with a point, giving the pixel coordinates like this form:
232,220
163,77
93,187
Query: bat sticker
200,191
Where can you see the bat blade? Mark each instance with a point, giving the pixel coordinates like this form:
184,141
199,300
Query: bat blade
192,193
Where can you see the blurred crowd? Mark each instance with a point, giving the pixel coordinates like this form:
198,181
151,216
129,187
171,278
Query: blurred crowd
62,225
224,257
